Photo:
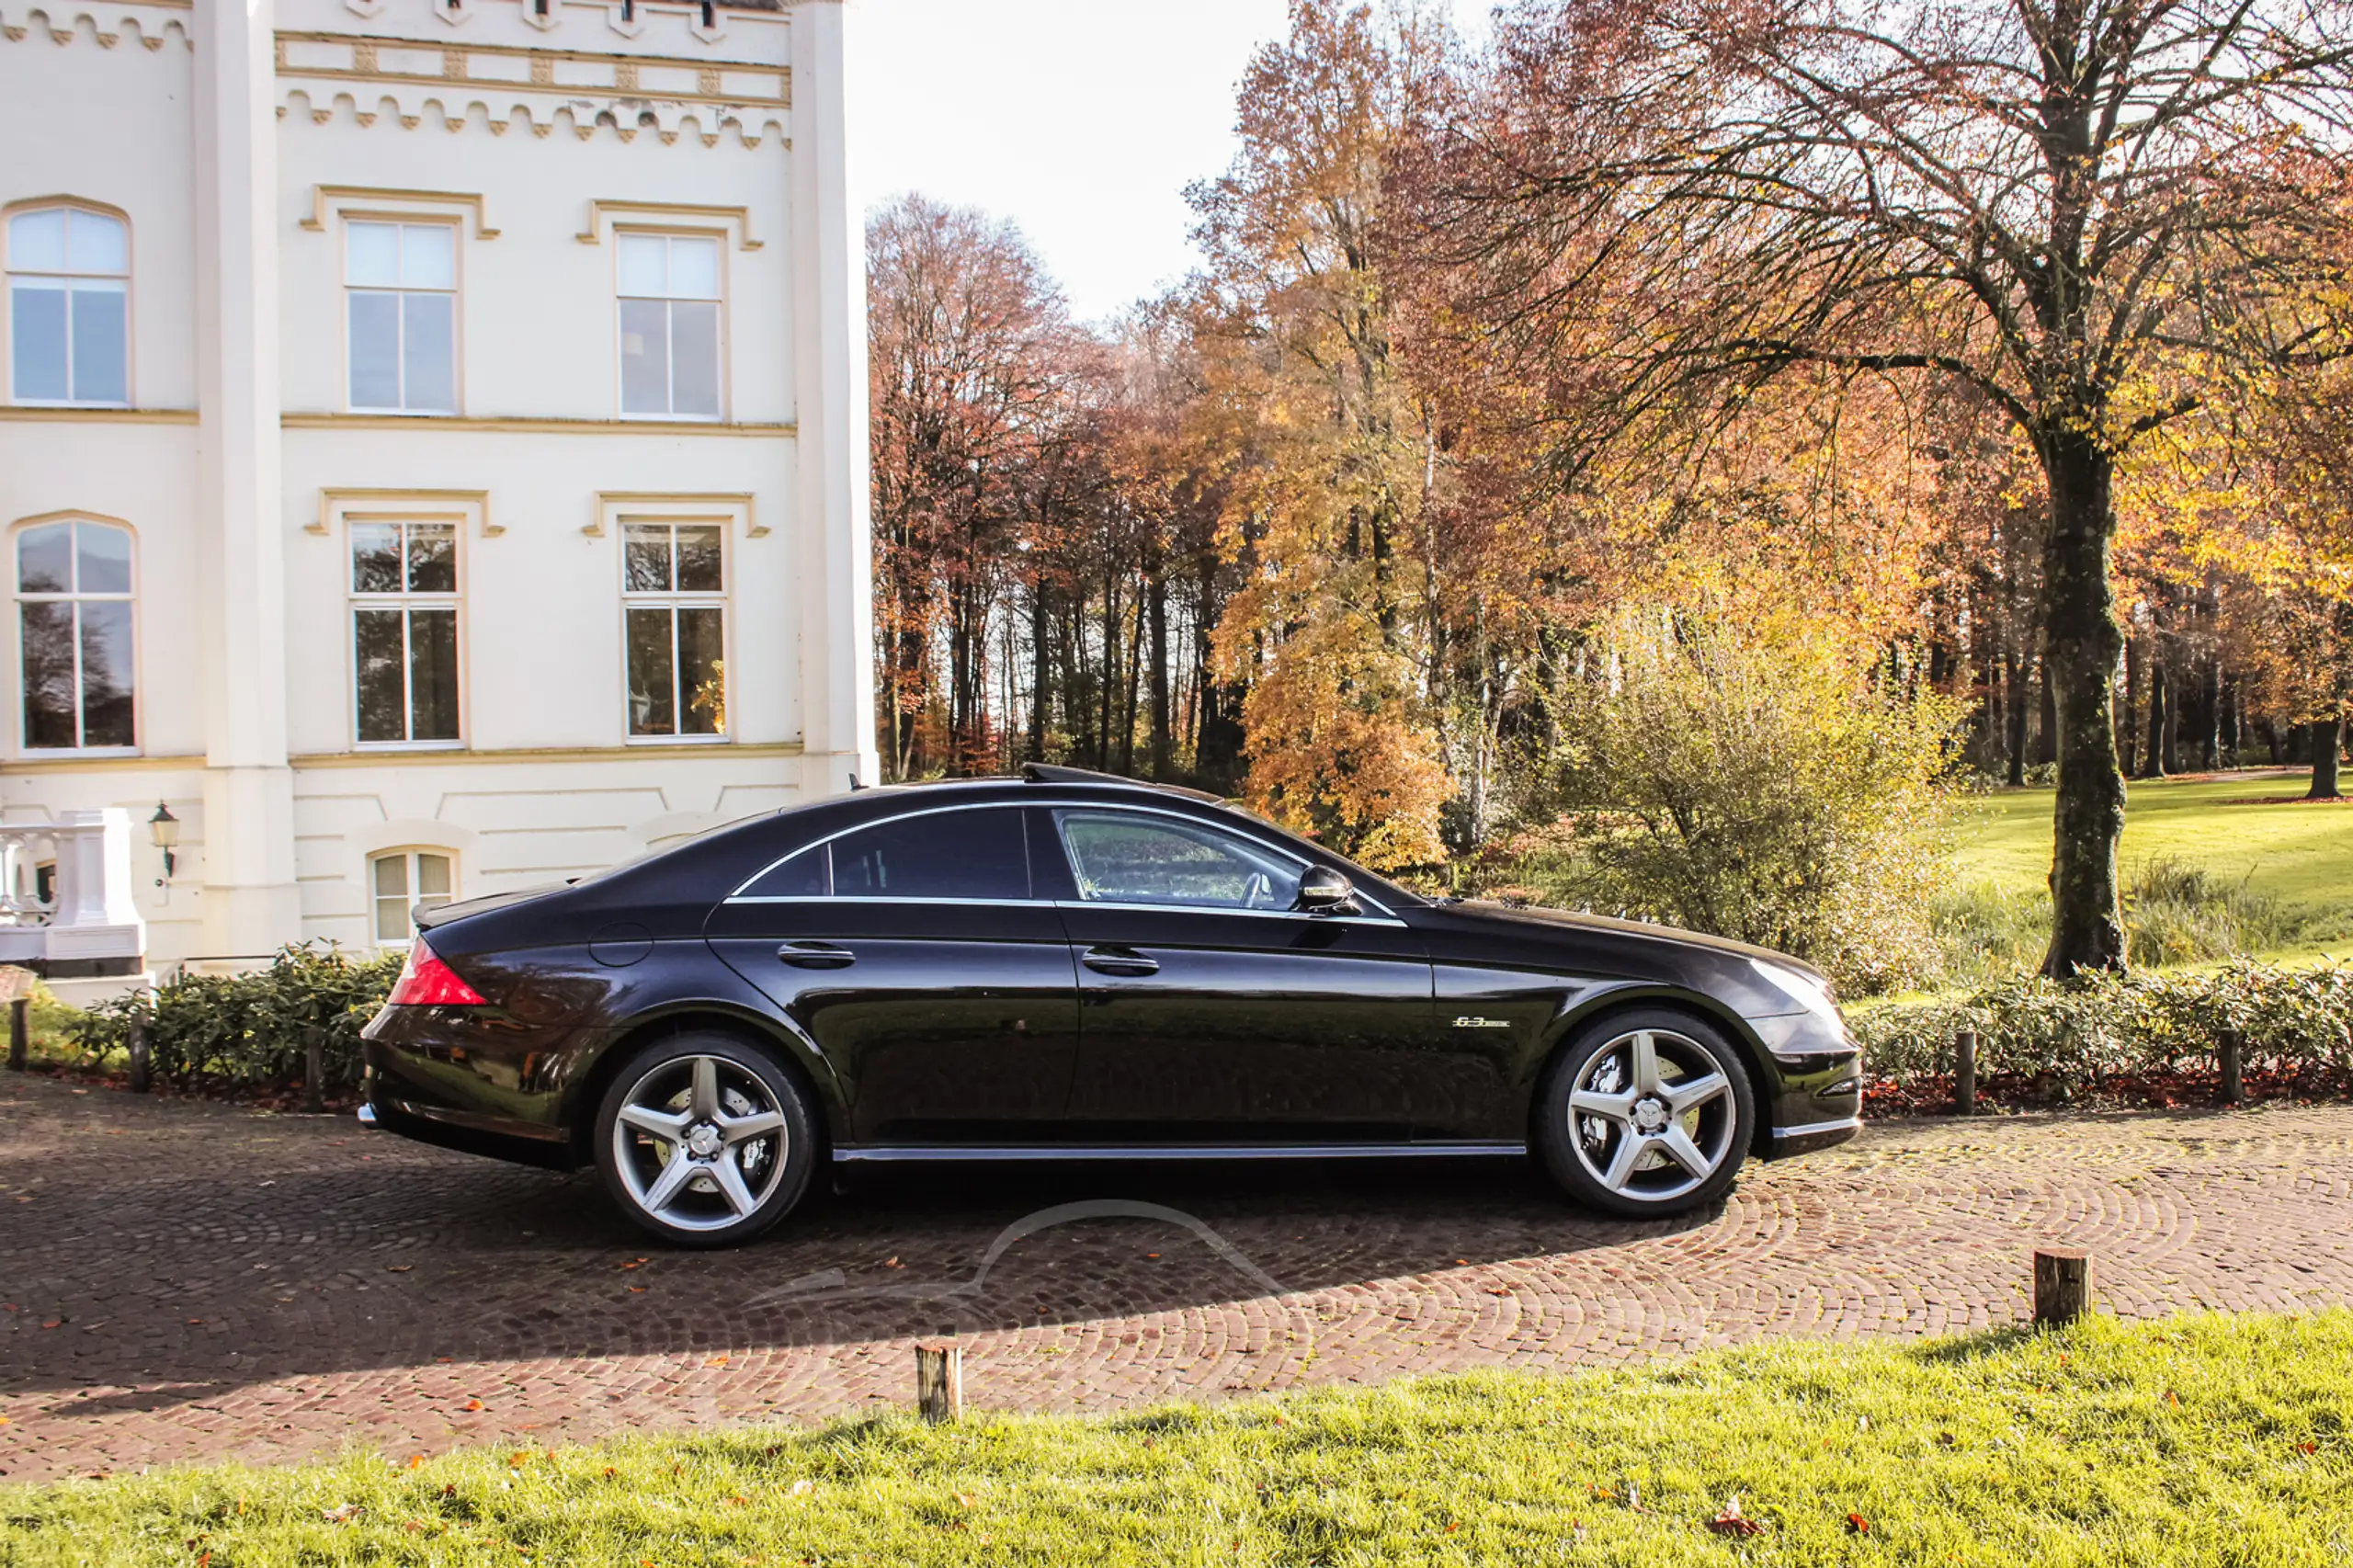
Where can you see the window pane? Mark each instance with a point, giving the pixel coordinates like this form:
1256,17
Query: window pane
805,875
694,269
375,558
694,352
645,557
36,241
428,258
392,899
642,267
372,254
432,558
702,648
429,353
433,879
102,555
968,854
645,356
105,672
375,350
101,350
1132,859
48,653
376,661
45,559
699,559
37,339
653,700
433,673
96,242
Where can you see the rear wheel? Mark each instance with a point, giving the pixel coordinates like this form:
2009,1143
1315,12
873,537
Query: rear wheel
705,1140
1646,1114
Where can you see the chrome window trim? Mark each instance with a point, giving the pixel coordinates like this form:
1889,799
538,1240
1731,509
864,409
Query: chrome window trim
908,1152
885,898
1386,917
1225,909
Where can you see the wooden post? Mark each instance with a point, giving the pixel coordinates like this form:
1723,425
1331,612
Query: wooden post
19,1034
2233,1069
314,1066
2063,1286
939,1382
141,1060
1964,1072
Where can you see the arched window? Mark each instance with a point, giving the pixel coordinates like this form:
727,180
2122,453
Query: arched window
401,880
74,635
69,306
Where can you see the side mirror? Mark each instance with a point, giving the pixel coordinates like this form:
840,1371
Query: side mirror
1324,892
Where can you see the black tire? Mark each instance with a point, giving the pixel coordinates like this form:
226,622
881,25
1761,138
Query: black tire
1658,1182
705,1207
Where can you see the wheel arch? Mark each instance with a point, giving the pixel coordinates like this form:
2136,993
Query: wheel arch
1603,1006
794,1052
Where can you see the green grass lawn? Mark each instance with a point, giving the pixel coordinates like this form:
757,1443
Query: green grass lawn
2248,832
2215,1440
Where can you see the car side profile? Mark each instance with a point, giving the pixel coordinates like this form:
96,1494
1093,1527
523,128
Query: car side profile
1069,966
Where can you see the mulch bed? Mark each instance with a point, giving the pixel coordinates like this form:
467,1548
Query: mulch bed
1931,1094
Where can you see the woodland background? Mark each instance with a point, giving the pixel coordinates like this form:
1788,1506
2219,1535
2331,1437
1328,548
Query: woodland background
1566,477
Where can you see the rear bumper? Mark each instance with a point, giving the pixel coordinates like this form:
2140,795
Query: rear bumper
446,1129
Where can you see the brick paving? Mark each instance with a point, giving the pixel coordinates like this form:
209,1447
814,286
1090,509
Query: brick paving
185,1281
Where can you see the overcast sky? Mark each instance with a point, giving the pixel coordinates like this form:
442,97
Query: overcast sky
1080,119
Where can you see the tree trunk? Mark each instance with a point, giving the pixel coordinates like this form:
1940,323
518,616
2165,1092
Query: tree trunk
1156,606
2328,736
2127,723
2082,645
2046,735
2153,764
2016,702
1040,670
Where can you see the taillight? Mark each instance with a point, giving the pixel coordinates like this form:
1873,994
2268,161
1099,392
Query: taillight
426,982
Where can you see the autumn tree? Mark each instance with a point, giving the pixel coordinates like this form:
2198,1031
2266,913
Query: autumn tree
969,350
2097,216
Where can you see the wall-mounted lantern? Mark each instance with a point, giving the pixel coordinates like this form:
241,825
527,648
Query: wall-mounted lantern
164,829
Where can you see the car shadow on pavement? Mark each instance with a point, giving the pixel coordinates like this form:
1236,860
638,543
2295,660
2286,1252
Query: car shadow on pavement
292,1248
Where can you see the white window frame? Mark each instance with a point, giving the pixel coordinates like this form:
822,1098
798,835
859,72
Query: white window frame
405,600
674,600
455,293
10,272
408,856
718,238
17,635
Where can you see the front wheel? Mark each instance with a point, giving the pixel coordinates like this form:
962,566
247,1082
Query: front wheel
704,1139
1646,1114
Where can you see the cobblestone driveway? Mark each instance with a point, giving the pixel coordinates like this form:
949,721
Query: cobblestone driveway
186,1281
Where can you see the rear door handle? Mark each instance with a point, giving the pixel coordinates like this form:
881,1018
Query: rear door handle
816,955
1118,960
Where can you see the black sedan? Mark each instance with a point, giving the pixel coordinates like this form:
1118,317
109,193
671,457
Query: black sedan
1068,965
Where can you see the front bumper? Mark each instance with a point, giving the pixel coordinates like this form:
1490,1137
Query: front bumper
1818,1101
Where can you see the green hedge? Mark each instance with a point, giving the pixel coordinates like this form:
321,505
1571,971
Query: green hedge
2296,1023
227,1032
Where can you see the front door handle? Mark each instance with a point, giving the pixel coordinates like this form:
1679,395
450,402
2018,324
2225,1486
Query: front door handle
816,955
1118,960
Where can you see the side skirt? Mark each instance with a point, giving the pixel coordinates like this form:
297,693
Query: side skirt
890,1153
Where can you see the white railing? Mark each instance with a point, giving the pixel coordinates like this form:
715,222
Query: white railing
87,914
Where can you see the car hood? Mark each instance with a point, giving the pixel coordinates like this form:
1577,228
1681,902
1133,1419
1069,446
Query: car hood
1524,915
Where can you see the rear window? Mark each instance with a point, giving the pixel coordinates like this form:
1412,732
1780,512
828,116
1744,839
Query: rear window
978,853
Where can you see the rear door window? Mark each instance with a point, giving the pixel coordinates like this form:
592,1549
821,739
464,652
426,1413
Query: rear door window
978,853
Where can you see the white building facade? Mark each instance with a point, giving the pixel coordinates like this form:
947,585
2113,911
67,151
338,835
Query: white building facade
433,455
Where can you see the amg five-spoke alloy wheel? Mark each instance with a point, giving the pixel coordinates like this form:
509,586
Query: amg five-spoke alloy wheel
1647,1114
704,1139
